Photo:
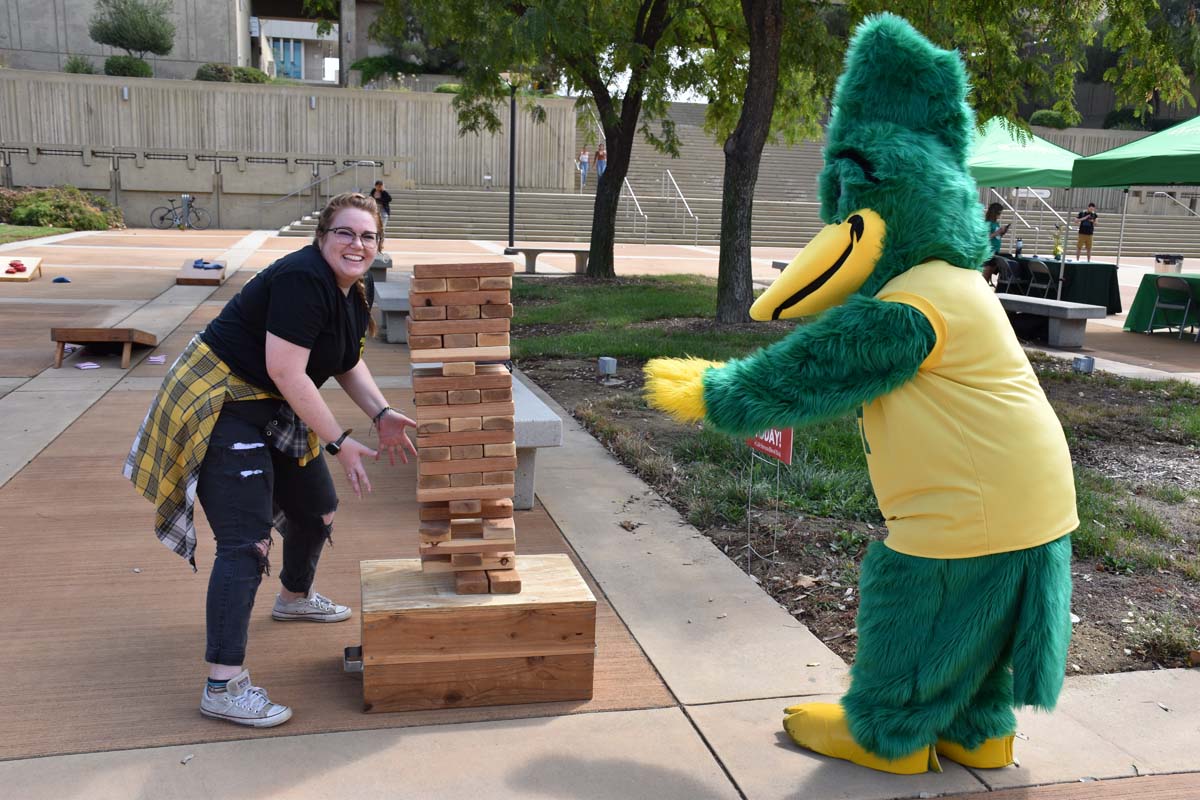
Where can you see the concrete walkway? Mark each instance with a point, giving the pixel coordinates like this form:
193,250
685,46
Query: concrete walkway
729,655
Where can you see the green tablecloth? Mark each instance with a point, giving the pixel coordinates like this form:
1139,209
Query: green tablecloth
1143,304
1092,282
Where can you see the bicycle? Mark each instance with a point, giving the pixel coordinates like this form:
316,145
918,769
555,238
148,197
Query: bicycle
172,217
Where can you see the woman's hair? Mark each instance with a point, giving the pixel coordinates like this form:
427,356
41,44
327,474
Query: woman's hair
993,212
363,203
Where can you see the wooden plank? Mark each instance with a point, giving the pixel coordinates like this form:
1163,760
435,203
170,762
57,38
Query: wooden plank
461,354
427,285
464,559
462,284
466,528
433,426
467,479
438,453
471,582
424,342
467,339
501,476
498,423
434,482
503,395
479,682
464,437
496,450
435,530
499,528
466,410
487,376
419,299
468,451
458,370
459,326
490,340
495,311
474,545
504,581
85,335
465,493
466,424
428,313
495,283
191,275
431,398
465,506
439,563
480,270
463,312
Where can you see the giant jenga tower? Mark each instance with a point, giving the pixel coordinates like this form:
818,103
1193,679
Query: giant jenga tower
459,320
457,626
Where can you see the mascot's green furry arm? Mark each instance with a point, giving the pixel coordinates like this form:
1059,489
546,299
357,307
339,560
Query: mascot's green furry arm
964,609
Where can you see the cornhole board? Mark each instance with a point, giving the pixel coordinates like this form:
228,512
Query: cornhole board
190,275
33,268
127,336
426,647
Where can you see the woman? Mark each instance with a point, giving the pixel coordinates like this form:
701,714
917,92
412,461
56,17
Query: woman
582,164
996,233
601,162
236,424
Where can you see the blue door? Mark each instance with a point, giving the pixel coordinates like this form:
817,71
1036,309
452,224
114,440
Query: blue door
289,57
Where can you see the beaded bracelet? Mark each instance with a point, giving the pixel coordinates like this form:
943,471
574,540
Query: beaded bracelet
375,419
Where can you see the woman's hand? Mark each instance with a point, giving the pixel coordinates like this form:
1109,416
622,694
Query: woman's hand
350,457
392,436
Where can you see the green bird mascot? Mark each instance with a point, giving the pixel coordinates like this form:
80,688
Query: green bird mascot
965,607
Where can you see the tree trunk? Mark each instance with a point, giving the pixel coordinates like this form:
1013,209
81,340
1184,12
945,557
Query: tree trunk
743,153
619,142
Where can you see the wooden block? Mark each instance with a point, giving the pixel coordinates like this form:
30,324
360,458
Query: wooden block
466,410
426,647
448,299
466,479
465,424
497,508
463,312
465,493
484,269
428,285
433,481
465,506
428,313
466,559
465,437
460,326
473,354
472,582
466,339
460,465
494,311
424,342
436,454
496,395
475,545
497,423
459,397
431,398
499,528
471,528
433,426
458,370
504,581
489,340
467,451
485,376
495,283
490,478
463,284
495,450
440,563
435,530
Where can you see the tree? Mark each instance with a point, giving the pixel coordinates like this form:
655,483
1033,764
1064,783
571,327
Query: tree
135,26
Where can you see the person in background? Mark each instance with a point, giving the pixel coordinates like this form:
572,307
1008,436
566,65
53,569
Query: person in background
1087,226
383,201
601,161
996,233
582,163
236,425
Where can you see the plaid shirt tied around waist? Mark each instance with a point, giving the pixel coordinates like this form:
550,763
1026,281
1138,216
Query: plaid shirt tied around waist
164,462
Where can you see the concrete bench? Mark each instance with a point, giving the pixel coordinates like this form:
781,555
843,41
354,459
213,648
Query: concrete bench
534,425
380,266
531,254
1067,322
391,298
780,265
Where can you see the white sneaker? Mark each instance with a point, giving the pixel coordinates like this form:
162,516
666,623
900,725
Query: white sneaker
243,704
315,608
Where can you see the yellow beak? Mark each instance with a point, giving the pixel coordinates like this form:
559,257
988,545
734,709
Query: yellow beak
832,267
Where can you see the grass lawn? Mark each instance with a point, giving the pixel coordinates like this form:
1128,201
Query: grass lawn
17,233
1134,444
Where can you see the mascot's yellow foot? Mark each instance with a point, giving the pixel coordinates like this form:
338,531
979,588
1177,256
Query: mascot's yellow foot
992,754
822,728
676,386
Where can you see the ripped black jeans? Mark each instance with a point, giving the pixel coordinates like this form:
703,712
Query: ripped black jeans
243,481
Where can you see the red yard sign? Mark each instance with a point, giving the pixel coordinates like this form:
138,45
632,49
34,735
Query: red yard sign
775,443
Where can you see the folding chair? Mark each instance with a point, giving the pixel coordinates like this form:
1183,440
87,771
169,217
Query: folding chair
1010,280
1040,278
1171,301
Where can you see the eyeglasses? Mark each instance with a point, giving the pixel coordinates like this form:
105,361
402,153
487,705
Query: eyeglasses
347,237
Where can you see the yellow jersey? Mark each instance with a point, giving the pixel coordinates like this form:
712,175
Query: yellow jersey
968,458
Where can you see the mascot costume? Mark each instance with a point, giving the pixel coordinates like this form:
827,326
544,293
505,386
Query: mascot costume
964,609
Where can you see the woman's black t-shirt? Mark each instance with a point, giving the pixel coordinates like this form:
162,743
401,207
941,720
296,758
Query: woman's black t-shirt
296,298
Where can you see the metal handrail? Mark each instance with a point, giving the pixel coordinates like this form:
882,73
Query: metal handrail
675,202
1030,226
320,179
645,219
1176,202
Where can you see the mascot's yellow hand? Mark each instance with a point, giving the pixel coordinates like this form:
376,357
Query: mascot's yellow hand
676,386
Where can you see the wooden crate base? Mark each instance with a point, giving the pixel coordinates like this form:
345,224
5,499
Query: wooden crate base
424,646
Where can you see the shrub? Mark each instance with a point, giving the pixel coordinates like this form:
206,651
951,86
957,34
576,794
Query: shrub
249,75
1122,119
215,72
1048,118
127,66
373,67
8,201
449,88
79,65
135,26
64,207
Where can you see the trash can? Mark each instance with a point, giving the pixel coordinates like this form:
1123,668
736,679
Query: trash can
1168,262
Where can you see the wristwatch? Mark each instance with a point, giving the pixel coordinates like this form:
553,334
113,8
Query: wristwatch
333,448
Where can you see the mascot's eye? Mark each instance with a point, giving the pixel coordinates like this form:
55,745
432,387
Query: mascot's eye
861,160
